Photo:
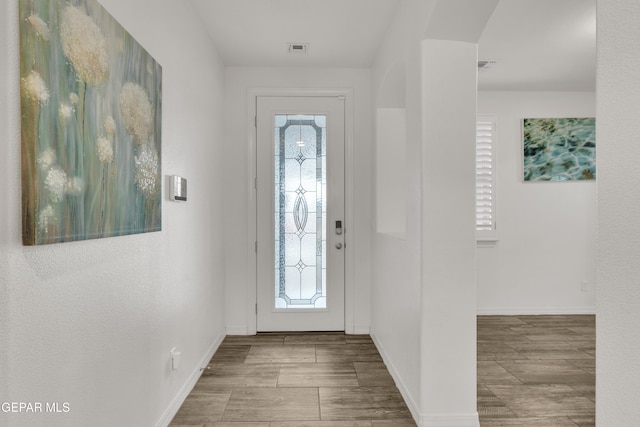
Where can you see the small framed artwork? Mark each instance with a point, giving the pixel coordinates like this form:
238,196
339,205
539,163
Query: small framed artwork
91,121
559,149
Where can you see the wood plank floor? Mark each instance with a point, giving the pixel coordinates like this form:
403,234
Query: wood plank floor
295,380
536,371
532,371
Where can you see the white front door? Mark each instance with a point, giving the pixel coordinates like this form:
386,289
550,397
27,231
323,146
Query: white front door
300,213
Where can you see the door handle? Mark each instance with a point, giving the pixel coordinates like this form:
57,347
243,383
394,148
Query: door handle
338,245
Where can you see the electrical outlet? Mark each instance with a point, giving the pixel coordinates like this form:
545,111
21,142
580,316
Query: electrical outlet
584,287
175,359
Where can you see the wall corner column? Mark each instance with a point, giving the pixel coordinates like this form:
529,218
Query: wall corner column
448,277
618,230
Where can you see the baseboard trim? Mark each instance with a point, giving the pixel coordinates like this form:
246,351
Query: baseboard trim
424,420
242,330
514,311
237,330
361,330
448,420
179,399
411,404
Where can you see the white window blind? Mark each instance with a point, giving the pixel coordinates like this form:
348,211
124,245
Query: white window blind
485,178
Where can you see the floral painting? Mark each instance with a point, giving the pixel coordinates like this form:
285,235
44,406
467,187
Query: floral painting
91,125
561,149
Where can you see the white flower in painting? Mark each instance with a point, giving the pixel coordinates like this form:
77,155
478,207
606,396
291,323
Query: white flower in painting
46,217
35,89
65,111
137,112
74,186
73,98
55,183
110,126
46,159
84,44
41,27
105,150
148,170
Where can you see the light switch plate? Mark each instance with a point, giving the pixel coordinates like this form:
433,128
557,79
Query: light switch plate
177,188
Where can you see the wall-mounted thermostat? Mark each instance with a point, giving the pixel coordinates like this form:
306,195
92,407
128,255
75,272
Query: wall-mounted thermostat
177,188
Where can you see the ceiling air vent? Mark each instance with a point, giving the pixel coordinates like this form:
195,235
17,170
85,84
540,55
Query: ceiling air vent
486,64
298,48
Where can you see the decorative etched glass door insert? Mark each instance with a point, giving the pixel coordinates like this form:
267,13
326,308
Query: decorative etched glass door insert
300,212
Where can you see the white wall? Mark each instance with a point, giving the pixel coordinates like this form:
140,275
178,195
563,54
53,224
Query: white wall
91,323
618,264
391,177
239,236
448,318
546,231
408,289
395,279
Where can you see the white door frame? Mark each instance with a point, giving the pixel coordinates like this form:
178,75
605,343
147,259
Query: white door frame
349,285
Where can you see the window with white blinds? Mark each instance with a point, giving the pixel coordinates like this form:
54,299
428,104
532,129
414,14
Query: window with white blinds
485,178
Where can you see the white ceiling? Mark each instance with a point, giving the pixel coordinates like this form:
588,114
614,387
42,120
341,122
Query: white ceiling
340,33
538,44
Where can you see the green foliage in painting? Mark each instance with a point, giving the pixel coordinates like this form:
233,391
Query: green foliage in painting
91,125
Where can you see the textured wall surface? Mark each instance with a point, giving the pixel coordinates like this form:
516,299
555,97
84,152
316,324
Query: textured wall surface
91,323
618,265
395,284
448,312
